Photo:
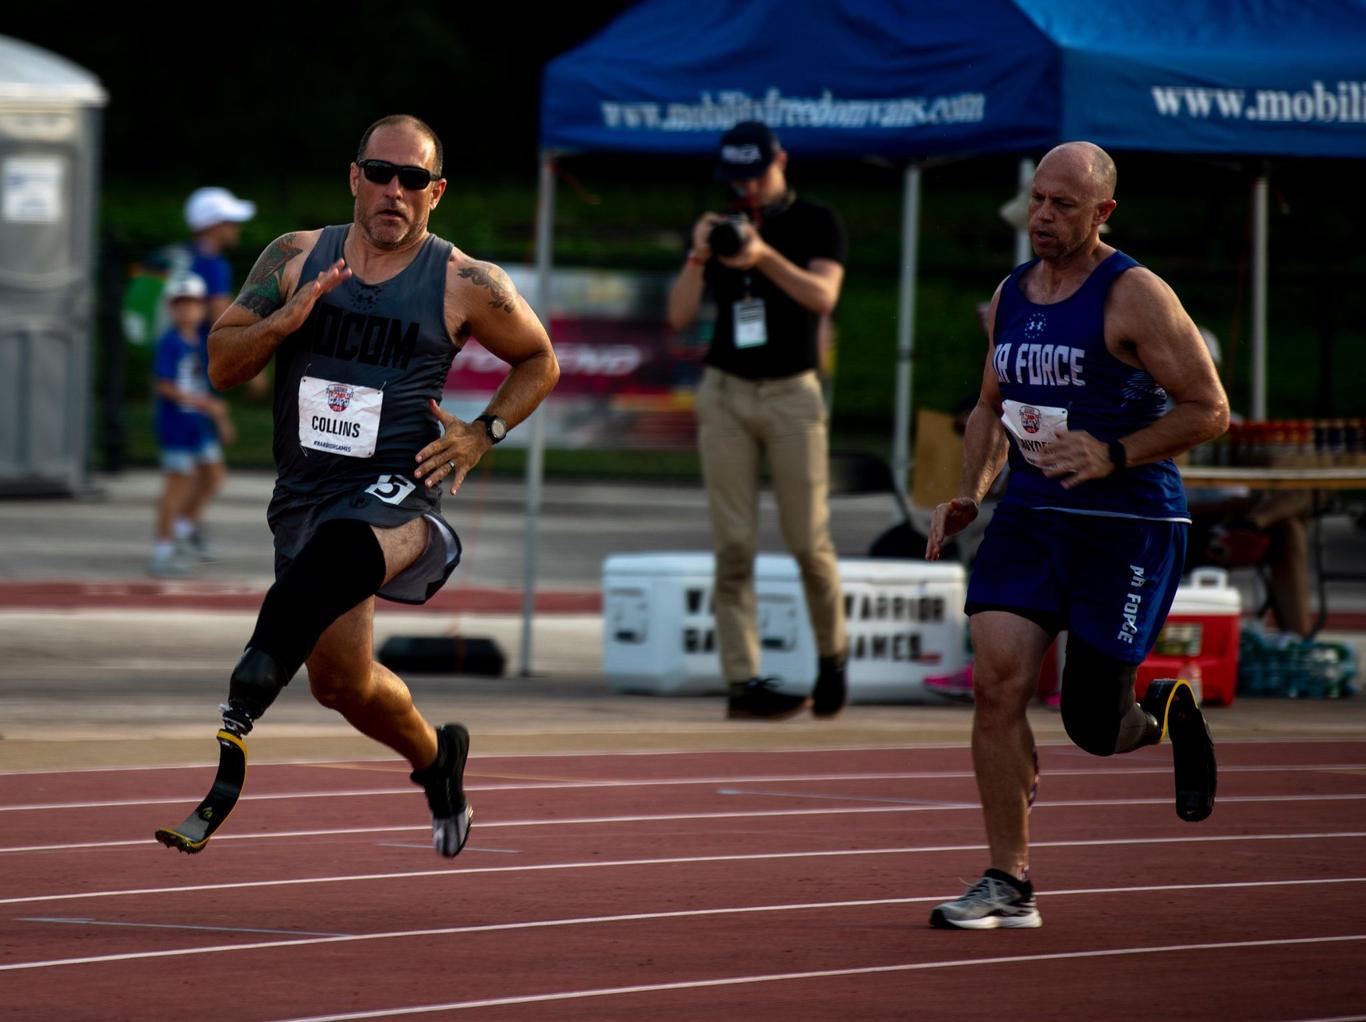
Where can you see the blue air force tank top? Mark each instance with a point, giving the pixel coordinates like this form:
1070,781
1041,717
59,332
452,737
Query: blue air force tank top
1054,372
351,384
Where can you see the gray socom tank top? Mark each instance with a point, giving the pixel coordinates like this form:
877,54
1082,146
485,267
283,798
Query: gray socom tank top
351,384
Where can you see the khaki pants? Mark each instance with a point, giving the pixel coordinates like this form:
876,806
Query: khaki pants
740,421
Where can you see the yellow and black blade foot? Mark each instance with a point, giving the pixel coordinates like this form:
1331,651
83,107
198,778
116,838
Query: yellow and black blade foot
1157,701
192,835
1172,701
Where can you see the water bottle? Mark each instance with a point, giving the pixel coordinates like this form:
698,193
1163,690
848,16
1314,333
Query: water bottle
1190,672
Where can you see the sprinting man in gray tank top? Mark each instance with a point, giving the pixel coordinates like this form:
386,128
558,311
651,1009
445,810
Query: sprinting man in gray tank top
363,321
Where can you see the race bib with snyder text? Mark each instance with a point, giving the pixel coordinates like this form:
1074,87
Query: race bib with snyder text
1034,427
339,418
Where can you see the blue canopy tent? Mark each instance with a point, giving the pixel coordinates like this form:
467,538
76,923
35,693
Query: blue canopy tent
916,79
861,77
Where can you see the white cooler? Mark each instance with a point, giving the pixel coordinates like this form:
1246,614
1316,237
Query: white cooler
905,622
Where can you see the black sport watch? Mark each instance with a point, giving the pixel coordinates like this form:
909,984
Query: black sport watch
494,426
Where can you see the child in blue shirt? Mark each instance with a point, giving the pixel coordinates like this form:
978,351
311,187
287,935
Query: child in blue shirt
189,419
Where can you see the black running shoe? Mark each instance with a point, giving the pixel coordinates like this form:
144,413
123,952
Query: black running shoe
1172,702
443,783
759,699
832,687
192,835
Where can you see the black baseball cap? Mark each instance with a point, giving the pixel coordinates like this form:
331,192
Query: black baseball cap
746,151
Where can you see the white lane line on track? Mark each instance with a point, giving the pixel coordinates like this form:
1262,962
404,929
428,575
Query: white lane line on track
634,917
781,977
736,750
670,861
425,845
822,797
586,821
80,921
646,782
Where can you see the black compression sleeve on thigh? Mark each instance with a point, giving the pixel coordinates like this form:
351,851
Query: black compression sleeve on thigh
1098,706
340,566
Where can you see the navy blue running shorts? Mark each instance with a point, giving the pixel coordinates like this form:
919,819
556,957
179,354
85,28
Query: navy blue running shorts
1108,580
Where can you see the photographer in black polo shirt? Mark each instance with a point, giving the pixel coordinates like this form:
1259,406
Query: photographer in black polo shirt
774,267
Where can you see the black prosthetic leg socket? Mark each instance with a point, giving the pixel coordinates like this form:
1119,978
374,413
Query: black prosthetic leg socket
256,681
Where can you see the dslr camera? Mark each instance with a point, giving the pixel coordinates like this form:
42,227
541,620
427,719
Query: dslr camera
729,235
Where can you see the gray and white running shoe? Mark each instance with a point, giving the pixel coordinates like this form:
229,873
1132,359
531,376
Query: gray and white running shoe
997,900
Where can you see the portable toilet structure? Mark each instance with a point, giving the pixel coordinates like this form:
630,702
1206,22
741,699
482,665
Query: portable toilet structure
50,122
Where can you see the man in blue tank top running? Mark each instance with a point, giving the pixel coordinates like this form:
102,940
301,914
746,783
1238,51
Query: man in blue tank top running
363,320
1085,348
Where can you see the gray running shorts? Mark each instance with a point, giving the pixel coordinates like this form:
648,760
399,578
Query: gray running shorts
387,503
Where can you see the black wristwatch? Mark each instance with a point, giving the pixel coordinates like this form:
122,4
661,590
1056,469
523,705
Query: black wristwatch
1119,457
494,426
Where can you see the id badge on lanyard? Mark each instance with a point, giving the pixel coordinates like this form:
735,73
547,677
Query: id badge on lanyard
751,330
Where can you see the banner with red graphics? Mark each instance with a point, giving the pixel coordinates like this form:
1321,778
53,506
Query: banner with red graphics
626,379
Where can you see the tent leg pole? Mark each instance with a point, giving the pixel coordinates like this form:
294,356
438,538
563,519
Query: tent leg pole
905,334
1260,190
1025,180
535,460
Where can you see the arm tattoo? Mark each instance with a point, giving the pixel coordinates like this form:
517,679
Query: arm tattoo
263,292
503,296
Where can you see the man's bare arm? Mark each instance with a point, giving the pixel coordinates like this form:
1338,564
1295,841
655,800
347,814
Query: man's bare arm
485,304
985,448
507,327
984,438
685,294
265,289
501,294
239,346
816,288
1145,317
1146,327
269,308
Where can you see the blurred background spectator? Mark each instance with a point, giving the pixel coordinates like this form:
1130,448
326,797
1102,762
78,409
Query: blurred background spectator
189,423
1234,527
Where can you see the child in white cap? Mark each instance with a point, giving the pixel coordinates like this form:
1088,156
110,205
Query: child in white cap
189,420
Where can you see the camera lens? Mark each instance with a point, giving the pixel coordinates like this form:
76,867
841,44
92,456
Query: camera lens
728,236
725,239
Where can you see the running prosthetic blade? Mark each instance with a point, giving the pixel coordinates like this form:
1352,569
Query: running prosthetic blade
1172,701
192,835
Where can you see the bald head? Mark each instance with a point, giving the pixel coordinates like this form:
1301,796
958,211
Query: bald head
1072,196
1086,163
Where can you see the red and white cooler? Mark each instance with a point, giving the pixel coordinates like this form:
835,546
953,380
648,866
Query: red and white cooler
1199,642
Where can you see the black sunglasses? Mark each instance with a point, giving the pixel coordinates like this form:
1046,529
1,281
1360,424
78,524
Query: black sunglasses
381,172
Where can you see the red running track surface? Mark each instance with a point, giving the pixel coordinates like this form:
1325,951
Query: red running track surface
764,885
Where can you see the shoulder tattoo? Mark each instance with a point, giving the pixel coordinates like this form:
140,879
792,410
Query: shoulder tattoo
263,292
502,295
